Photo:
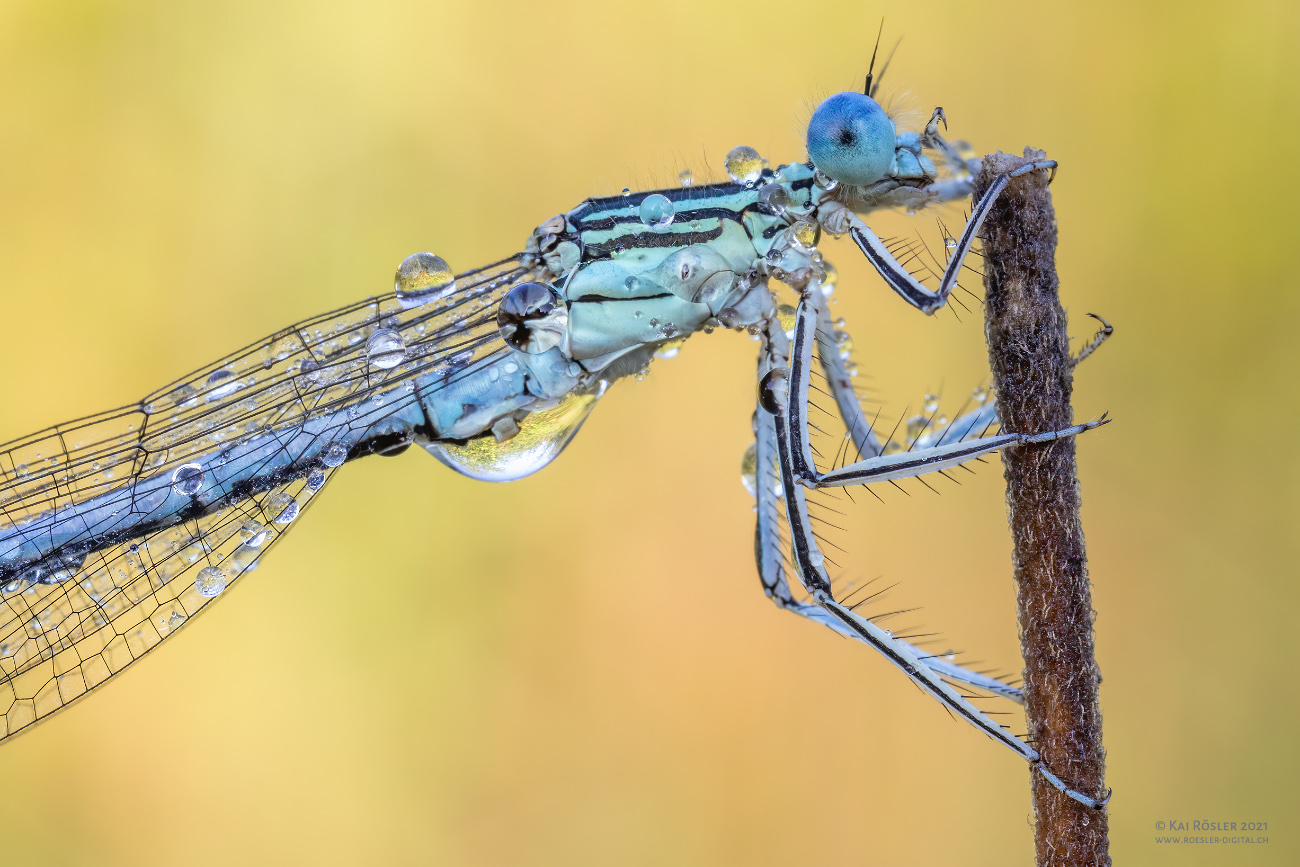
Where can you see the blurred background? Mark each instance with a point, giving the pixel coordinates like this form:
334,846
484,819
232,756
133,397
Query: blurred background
580,667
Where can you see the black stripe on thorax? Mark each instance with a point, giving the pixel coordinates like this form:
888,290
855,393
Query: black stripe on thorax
641,240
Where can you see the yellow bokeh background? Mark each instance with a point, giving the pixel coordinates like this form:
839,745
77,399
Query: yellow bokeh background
580,668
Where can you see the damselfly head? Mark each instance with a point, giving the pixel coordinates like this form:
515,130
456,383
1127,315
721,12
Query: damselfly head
851,139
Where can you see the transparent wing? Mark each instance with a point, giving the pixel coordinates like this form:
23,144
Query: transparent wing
81,597
59,641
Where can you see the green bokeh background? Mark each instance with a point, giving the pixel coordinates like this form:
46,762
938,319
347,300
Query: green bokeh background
580,668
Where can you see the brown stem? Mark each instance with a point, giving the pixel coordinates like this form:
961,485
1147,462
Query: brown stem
1030,357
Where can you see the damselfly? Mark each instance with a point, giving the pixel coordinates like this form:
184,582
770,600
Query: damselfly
119,528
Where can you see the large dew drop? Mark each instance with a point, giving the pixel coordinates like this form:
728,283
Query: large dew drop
421,278
542,436
532,317
385,349
744,164
657,211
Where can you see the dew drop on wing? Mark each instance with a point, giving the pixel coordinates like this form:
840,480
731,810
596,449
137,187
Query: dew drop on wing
252,533
221,384
187,480
421,278
334,455
385,349
282,507
210,581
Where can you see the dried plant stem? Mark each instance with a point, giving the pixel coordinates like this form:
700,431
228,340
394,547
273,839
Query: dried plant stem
1030,357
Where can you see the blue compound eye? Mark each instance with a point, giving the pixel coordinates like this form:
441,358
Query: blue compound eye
851,139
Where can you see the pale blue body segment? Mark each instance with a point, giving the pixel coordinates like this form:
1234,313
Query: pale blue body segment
117,529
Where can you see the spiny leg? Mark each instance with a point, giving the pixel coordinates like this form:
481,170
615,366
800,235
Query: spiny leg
768,553
780,395
861,429
897,276
917,461
770,559
1102,335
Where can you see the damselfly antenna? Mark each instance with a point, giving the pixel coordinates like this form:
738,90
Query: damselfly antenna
867,89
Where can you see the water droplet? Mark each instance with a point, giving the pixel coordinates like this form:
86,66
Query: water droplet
830,280
940,421
930,402
916,425
950,655
253,533
786,315
626,192
823,181
670,348
743,164
532,318
980,394
893,447
686,177
282,507
315,480
183,395
188,479
632,284
749,469
804,235
243,559
385,349
657,211
543,434
421,278
210,581
334,454
950,242
817,558
773,199
222,383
